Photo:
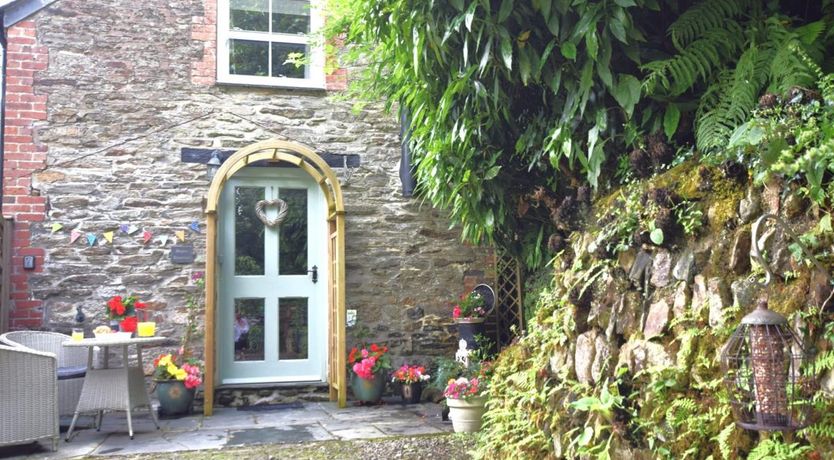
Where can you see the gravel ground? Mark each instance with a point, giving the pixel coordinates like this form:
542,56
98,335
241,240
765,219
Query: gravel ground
436,447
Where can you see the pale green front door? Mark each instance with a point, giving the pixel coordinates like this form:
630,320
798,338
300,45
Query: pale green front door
272,315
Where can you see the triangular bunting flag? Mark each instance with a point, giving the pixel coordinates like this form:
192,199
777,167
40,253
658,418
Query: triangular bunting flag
163,239
91,239
74,235
56,226
108,236
132,229
123,228
181,235
146,236
195,227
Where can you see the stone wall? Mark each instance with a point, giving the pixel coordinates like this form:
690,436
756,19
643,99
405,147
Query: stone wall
124,93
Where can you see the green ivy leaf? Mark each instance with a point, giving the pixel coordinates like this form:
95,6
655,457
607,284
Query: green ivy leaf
625,3
627,93
506,50
592,44
670,120
524,64
569,50
824,225
586,436
553,24
470,16
656,236
617,29
492,172
505,10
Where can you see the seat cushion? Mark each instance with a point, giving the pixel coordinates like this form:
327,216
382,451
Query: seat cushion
71,372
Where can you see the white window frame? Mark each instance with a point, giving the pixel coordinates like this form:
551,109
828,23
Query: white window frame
315,67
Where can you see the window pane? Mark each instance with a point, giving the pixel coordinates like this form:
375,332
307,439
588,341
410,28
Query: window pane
291,16
292,258
249,15
248,57
292,328
280,66
249,232
249,329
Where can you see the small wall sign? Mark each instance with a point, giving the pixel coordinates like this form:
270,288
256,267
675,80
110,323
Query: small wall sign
182,253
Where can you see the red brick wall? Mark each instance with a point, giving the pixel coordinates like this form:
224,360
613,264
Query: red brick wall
204,29
204,71
23,156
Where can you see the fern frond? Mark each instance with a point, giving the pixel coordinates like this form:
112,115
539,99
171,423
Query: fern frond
699,61
705,16
723,439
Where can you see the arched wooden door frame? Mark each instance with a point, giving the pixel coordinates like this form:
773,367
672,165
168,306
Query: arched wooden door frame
299,155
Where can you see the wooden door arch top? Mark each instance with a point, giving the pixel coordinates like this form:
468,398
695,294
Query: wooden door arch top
275,150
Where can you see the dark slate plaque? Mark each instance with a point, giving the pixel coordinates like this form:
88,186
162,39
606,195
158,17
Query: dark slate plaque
182,253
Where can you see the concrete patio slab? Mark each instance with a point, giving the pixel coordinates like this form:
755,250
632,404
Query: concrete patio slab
198,440
229,427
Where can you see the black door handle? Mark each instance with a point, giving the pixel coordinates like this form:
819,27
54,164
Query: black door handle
315,272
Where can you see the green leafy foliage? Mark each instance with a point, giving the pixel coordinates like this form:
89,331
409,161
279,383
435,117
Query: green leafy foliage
775,449
727,54
504,97
794,139
501,97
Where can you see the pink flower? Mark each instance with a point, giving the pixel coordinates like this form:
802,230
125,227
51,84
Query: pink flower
456,312
364,353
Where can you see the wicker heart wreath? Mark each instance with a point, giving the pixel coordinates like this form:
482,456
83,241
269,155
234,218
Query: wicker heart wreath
261,213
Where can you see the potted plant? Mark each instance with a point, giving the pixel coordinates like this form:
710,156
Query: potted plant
469,313
410,379
177,376
177,379
368,366
122,312
466,399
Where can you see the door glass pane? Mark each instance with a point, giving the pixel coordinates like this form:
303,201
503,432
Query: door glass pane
281,52
291,16
248,57
250,15
292,259
248,327
249,232
292,328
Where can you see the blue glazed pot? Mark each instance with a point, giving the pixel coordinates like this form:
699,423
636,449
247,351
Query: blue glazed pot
174,397
367,390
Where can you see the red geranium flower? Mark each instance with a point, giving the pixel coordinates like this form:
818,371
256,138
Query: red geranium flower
116,306
352,355
129,324
139,305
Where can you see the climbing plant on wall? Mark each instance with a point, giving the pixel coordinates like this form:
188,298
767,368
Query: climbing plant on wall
519,110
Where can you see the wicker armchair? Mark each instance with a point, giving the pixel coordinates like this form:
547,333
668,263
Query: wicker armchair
29,396
72,362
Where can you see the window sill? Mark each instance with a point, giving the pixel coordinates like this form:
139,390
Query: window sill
276,83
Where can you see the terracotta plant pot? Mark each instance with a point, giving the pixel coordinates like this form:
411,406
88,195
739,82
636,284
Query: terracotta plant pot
174,397
466,414
468,328
367,390
411,392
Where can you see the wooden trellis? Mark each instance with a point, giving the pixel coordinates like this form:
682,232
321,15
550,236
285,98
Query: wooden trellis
6,232
508,292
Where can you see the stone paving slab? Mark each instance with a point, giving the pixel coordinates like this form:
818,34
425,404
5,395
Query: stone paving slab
232,427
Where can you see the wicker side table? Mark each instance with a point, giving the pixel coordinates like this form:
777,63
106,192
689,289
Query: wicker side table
109,388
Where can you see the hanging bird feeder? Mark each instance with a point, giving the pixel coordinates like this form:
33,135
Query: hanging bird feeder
768,372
